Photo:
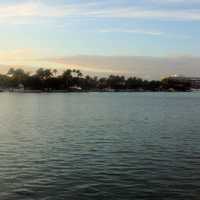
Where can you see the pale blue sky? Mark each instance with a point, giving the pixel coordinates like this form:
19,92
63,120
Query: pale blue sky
61,28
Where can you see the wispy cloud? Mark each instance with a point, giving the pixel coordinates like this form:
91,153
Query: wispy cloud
174,1
143,66
141,13
146,32
39,9
17,54
133,31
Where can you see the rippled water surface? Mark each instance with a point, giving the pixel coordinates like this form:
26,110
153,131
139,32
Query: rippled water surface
100,146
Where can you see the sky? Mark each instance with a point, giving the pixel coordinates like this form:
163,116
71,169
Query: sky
147,38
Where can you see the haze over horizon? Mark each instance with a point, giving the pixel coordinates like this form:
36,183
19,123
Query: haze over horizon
146,38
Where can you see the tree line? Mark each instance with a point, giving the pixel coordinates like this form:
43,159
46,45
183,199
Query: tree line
49,80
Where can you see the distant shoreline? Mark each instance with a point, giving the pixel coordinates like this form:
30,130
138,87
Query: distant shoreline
95,91
72,80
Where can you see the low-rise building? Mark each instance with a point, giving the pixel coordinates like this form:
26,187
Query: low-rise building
193,81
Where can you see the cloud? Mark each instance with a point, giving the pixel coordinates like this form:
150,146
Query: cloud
174,1
134,31
142,66
145,32
141,13
37,9
18,55
4,68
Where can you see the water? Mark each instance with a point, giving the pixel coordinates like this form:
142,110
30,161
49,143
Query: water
100,146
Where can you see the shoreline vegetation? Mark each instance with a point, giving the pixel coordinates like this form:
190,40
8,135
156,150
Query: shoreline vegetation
72,80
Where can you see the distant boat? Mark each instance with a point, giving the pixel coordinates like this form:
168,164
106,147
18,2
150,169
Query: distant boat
75,89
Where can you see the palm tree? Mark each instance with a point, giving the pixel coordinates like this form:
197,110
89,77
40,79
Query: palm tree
11,71
55,71
79,74
47,74
43,74
67,77
18,76
40,73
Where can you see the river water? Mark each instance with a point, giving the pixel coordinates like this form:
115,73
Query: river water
112,146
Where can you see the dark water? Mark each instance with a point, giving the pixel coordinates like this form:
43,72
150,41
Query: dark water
100,146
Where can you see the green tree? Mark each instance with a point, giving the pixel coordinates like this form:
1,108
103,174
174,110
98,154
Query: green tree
67,77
